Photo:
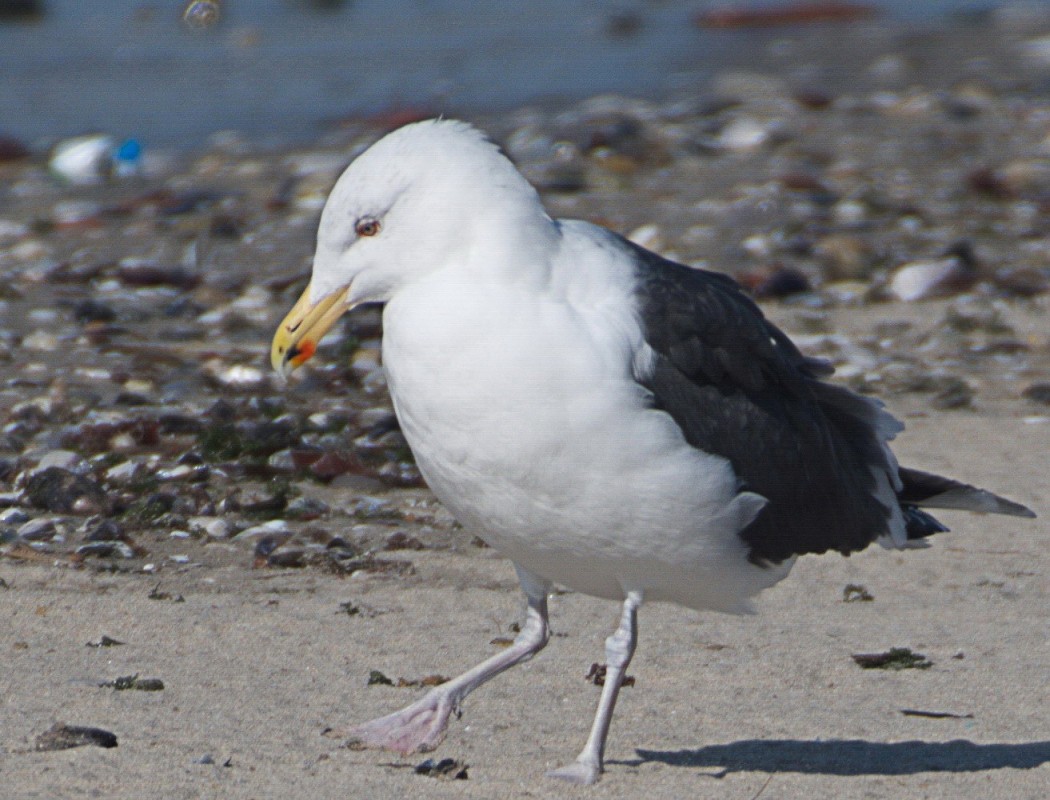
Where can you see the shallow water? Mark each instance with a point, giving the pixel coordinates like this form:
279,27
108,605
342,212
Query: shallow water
286,69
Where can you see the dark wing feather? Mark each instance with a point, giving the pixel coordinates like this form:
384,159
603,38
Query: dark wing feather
739,388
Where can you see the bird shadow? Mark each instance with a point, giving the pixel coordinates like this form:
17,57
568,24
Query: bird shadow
852,756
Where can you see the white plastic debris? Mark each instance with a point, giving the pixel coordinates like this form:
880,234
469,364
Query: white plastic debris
83,160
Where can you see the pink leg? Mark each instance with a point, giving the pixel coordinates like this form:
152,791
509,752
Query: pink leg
619,648
422,725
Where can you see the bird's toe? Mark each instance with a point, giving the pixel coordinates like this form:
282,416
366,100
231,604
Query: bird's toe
417,729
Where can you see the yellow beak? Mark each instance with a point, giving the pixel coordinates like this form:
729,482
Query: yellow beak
299,333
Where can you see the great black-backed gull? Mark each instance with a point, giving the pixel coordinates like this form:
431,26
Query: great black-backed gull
612,421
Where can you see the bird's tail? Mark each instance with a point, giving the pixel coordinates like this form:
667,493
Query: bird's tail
925,490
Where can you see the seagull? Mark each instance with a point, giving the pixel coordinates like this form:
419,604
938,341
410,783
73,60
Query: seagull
609,420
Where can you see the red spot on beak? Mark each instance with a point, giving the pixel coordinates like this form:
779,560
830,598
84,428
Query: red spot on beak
304,351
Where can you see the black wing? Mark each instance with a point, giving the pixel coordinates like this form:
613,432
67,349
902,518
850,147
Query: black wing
739,388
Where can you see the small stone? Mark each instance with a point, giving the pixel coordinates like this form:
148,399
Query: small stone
106,550
287,557
69,213
399,540
63,459
181,472
135,683
13,516
893,659
237,376
212,527
954,393
744,134
779,281
365,360
306,508
333,464
106,530
1038,393
447,768
648,236
105,641
43,341
1037,50
138,272
268,543
64,737
1023,281
274,526
845,257
126,472
38,530
856,593
850,212
922,280
58,490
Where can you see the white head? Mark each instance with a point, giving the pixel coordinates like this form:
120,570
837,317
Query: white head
424,196
412,202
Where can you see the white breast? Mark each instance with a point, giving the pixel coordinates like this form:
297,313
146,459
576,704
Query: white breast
521,410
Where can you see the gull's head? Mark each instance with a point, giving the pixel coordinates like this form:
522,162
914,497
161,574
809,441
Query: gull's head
418,199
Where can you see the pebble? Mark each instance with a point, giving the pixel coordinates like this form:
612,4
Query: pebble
237,376
307,508
63,737
59,490
38,530
212,527
70,213
104,530
845,256
63,459
42,341
270,528
1038,392
13,516
12,230
287,556
744,134
850,213
105,550
648,236
922,280
183,472
1037,50
126,472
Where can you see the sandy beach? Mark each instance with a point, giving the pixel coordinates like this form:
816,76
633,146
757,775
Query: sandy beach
261,555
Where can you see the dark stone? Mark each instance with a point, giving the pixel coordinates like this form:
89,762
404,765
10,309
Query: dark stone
157,275
1038,392
63,737
106,530
93,311
57,490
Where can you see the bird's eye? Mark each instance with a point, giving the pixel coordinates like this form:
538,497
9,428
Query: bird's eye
366,226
